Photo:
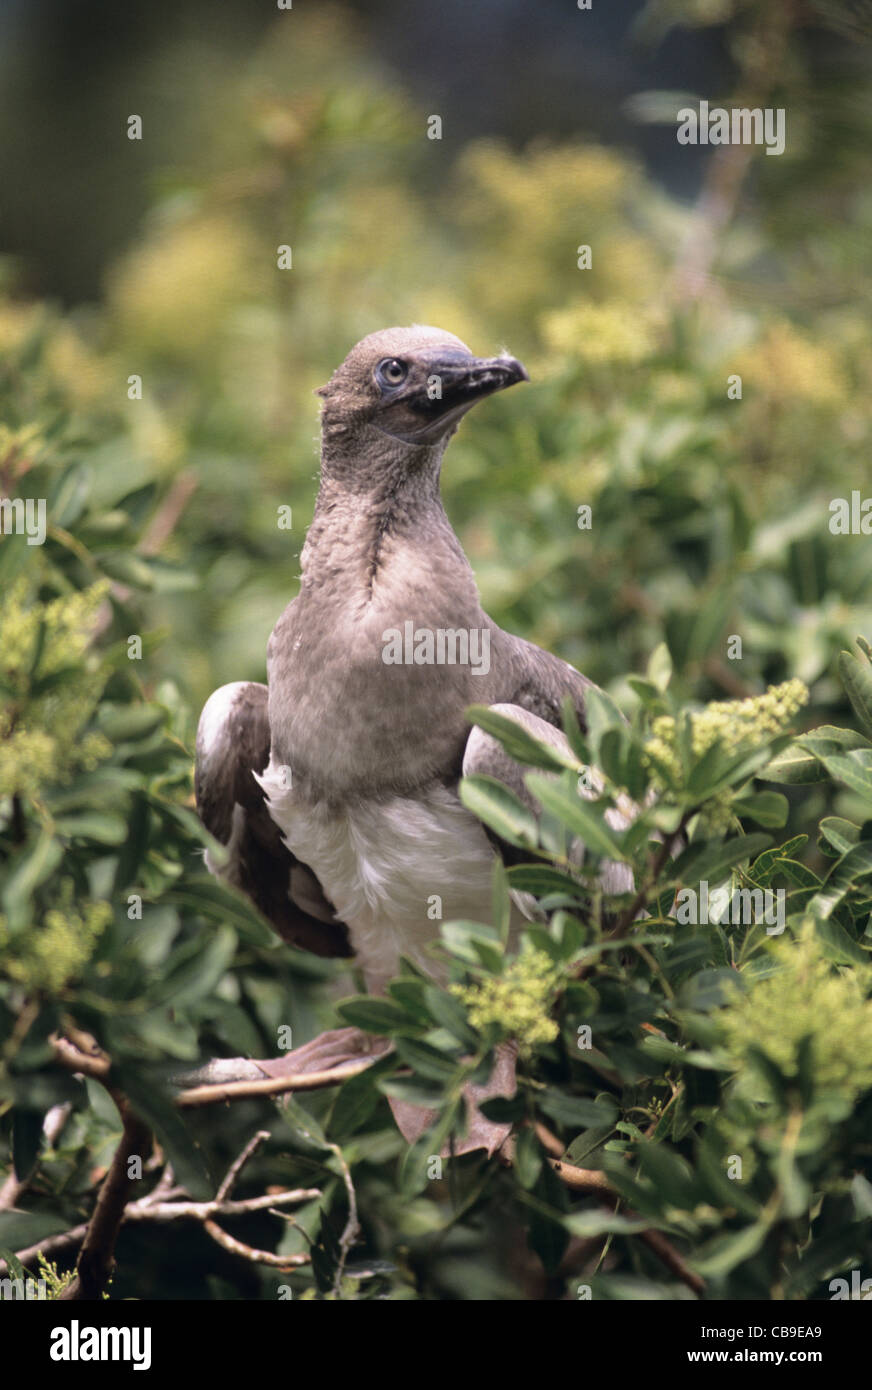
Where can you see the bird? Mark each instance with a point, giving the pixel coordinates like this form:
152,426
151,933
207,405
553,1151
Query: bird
334,786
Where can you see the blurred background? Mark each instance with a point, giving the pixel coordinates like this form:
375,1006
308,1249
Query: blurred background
308,128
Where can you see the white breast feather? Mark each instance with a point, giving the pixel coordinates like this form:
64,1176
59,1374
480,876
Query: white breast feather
382,863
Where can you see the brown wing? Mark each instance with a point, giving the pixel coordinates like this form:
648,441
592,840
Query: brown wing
233,742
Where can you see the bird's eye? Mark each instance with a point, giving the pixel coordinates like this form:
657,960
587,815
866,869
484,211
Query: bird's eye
391,372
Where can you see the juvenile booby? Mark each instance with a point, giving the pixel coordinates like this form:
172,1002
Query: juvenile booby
335,785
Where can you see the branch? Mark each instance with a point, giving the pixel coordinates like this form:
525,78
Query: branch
239,1163
270,1086
592,1180
248,1252
96,1257
147,1209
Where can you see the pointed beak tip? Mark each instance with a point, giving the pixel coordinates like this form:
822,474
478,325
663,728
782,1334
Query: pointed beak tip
517,371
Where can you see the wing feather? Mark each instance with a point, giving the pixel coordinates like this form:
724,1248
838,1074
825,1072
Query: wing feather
233,742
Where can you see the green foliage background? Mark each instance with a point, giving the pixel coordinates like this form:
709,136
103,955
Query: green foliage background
710,519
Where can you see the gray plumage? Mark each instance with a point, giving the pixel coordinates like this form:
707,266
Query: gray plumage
335,787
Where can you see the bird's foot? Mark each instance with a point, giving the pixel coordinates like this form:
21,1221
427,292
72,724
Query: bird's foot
327,1052
338,1046
481,1133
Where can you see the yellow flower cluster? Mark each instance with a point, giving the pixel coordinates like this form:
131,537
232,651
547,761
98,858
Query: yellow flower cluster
40,734
787,366
172,294
807,996
615,333
735,724
67,362
55,1281
46,956
517,1002
547,178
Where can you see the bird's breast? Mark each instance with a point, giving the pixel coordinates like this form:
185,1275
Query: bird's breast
393,869
370,700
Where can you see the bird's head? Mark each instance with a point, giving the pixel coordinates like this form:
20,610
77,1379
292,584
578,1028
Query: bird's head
411,385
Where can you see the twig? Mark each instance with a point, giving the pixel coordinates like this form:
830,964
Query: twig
206,1211
669,1256
147,1209
592,1180
74,1059
248,1252
582,1179
239,1163
352,1225
657,864
96,1257
270,1086
166,518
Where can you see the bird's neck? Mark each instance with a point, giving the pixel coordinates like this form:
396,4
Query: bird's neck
359,541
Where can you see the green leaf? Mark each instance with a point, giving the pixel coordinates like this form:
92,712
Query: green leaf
601,713
426,1060
151,1103
221,903
412,1090
357,1098
375,1015
854,866
711,860
577,1110
35,863
450,1013
660,666
26,1140
766,808
572,729
541,879
725,1252
121,723
528,1158
501,903
104,827
856,674
518,743
500,809
474,942
765,866
589,1224
19,1229
546,1229
671,1175
800,763
839,833
796,766
648,694
838,945
853,768
582,818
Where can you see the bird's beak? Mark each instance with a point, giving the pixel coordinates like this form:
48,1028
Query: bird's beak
443,388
